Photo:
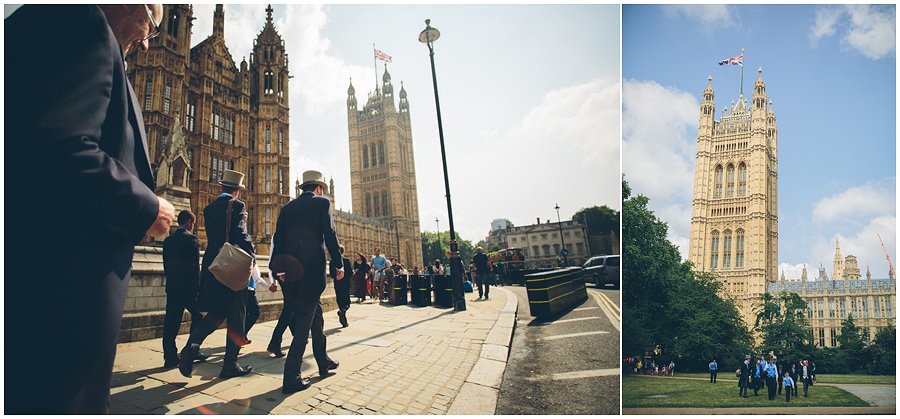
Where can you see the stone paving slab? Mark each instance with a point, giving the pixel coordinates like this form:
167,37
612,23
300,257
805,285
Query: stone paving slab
393,360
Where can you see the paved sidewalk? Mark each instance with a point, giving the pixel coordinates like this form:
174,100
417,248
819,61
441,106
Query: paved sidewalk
393,360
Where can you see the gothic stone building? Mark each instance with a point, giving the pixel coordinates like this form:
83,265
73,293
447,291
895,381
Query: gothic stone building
734,215
870,301
204,114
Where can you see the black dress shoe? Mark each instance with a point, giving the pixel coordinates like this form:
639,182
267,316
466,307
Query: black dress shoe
186,363
332,365
235,371
295,385
275,350
342,316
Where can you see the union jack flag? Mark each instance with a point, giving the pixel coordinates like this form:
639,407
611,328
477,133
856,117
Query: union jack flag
739,60
382,56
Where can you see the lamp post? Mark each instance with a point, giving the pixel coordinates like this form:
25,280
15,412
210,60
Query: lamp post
427,37
563,251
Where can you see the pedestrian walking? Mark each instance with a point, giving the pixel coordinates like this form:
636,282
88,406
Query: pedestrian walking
780,379
360,274
220,302
252,302
744,380
713,371
788,384
379,264
501,273
482,273
342,289
771,378
287,310
181,264
805,376
304,230
73,116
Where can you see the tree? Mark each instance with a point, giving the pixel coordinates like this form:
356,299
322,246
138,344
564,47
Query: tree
852,348
599,220
435,245
884,352
666,307
784,327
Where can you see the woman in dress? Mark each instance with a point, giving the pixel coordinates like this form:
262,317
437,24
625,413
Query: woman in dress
360,272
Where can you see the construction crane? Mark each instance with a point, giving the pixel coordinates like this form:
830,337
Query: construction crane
887,256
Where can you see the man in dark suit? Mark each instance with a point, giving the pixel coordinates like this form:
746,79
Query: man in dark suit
219,301
342,289
181,262
74,130
304,230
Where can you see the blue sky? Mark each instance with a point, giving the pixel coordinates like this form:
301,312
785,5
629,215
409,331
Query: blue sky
830,72
530,100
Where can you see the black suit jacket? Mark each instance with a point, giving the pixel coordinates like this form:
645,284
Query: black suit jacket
213,295
78,171
181,262
305,229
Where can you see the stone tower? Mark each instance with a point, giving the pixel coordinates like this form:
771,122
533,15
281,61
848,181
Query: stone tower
205,114
838,270
734,215
382,165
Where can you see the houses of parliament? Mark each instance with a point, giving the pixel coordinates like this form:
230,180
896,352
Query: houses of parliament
205,114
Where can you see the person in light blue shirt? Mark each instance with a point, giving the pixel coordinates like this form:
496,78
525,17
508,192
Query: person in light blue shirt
757,378
771,378
378,265
788,385
713,371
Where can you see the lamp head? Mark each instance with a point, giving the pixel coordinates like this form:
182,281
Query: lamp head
429,34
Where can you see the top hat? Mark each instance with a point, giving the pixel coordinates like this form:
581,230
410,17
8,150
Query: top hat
232,179
314,177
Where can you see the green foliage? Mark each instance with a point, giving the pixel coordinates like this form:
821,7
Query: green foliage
781,320
665,308
884,352
599,220
435,245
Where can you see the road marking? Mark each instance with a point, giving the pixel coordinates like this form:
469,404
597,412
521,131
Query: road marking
569,320
611,309
572,335
576,374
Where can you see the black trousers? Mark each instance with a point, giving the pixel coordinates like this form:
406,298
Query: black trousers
771,386
252,311
176,304
307,320
712,376
484,285
234,312
285,319
342,291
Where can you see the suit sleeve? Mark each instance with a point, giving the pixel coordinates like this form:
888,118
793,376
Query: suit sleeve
331,240
64,127
239,235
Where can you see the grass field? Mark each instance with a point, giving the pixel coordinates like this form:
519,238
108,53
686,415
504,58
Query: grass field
820,378
644,391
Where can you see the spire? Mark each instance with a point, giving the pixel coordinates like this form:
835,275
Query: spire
219,22
269,11
803,275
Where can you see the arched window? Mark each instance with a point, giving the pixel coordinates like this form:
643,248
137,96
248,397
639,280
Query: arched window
268,180
718,192
252,179
374,155
268,139
714,250
380,153
268,221
191,163
365,157
739,250
250,221
280,180
742,179
368,205
167,98
726,250
172,24
384,204
281,141
729,179
268,83
377,208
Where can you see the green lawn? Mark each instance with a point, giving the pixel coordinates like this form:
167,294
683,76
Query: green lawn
644,391
820,378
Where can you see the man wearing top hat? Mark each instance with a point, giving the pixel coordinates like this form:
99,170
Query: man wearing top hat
219,301
305,229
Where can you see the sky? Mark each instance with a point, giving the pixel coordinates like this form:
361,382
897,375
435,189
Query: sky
529,95
830,72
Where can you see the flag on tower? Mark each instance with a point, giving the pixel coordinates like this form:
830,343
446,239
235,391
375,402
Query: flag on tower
382,56
739,60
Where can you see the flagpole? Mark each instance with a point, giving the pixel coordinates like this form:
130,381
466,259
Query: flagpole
742,71
375,66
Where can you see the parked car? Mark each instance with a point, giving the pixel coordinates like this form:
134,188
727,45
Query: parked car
602,270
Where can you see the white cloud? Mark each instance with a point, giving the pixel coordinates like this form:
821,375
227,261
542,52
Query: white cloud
872,198
869,29
711,16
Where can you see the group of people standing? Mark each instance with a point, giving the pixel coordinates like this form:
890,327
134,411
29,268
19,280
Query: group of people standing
649,366
773,376
371,277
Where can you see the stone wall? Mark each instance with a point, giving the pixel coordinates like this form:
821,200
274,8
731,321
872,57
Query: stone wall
145,305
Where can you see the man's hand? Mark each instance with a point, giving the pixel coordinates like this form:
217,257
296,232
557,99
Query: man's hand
339,274
164,219
273,287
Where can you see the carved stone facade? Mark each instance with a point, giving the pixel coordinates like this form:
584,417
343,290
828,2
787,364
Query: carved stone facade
734,215
872,302
541,243
382,177
204,114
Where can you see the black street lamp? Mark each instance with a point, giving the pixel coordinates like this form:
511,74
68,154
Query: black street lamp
428,36
564,252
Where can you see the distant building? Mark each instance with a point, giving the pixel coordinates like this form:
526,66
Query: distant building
542,244
497,235
870,301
